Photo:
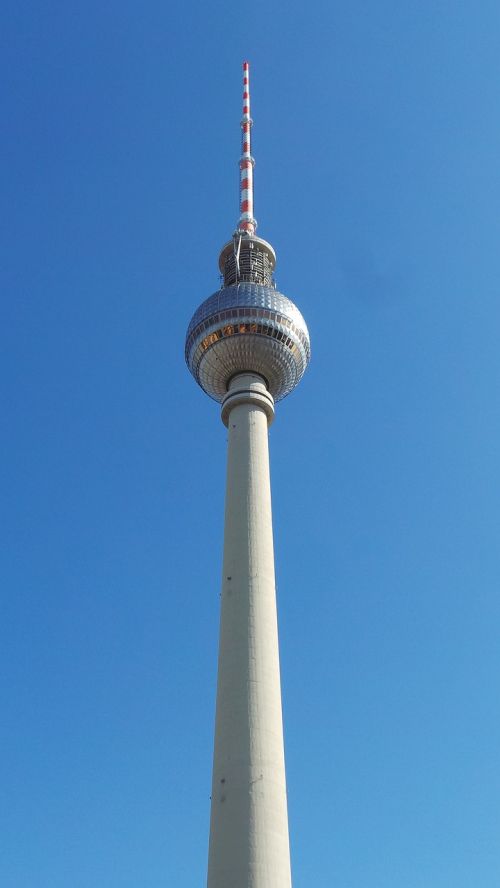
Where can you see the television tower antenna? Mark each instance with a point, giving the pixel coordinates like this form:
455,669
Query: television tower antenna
246,221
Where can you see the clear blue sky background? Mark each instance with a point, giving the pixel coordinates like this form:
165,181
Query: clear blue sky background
377,139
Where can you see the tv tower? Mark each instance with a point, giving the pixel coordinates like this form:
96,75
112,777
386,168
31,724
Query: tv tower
247,346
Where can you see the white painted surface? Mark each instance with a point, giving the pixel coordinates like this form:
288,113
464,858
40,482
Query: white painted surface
249,845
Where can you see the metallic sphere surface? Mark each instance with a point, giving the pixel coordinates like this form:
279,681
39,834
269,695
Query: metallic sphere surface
245,328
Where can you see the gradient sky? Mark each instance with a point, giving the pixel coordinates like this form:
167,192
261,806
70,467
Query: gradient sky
377,141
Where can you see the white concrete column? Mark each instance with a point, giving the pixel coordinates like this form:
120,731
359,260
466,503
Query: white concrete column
249,845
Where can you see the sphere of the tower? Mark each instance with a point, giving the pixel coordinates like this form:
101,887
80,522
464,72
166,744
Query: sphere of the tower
247,328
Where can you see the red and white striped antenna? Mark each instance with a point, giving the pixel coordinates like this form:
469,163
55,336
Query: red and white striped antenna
246,222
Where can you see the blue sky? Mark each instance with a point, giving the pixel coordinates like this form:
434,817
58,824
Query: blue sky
377,139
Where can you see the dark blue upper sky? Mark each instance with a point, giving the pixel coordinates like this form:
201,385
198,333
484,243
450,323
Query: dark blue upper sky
377,141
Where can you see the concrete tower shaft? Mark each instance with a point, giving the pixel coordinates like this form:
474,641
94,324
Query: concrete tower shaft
249,824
